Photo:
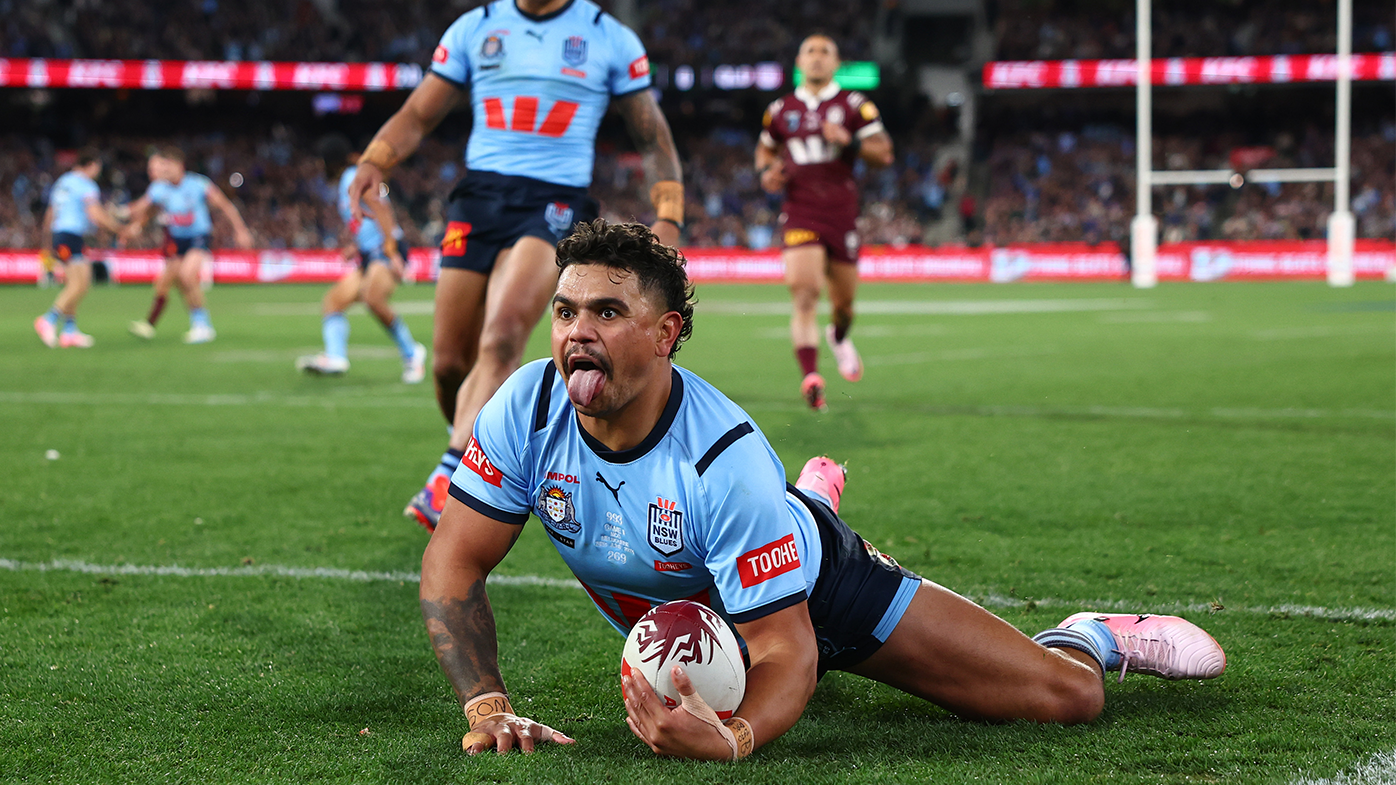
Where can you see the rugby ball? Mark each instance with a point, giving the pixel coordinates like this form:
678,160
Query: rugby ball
694,636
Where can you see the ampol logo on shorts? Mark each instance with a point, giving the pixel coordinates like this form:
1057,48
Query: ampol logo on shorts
768,561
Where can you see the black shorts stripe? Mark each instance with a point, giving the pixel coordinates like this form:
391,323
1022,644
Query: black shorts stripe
769,608
722,444
486,509
545,398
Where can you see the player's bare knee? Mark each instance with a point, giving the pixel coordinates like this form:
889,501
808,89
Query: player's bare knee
1079,698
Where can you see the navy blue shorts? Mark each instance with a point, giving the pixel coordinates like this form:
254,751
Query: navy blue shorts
489,212
67,247
376,256
179,246
861,593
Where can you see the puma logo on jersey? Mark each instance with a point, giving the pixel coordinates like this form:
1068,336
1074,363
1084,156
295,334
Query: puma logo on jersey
615,492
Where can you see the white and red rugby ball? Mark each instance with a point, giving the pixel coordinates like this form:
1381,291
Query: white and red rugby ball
694,636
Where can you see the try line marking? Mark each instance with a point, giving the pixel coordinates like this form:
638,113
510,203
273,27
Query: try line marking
987,599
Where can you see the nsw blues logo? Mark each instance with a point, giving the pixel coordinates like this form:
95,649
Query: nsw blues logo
574,50
665,530
492,48
559,516
559,218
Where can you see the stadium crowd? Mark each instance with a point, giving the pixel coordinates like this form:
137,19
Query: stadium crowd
1079,185
1091,29
675,31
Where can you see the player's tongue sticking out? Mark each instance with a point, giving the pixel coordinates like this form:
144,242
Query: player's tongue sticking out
586,382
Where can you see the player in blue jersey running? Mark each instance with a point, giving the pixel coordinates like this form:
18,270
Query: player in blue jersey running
540,76
74,208
655,487
373,244
184,198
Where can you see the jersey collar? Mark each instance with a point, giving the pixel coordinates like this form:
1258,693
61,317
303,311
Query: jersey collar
666,419
544,17
813,100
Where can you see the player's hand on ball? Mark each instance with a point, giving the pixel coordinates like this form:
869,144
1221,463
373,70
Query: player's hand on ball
773,178
679,732
504,732
837,134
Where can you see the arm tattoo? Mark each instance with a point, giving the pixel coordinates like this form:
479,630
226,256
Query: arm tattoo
463,636
650,132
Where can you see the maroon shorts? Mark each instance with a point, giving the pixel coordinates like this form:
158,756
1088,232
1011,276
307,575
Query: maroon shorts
838,234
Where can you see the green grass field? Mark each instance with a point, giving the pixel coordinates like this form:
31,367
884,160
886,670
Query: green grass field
213,582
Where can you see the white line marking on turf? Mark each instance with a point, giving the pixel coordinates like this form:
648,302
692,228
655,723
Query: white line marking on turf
257,570
1380,769
988,599
936,307
1162,317
409,307
327,401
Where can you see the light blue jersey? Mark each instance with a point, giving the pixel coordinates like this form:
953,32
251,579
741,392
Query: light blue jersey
185,204
697,511
539,85
71,194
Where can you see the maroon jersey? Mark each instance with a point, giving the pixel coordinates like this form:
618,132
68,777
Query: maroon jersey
819,174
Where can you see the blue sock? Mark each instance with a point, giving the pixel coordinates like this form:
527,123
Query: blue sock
1073,638
403,338
70,324
198,317
54,316
335,329
449,462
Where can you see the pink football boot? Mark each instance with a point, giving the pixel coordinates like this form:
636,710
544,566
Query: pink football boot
824,478
1165,646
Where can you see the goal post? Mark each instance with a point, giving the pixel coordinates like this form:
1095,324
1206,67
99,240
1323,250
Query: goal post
1143,233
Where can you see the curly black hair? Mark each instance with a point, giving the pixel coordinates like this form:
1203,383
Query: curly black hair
633,247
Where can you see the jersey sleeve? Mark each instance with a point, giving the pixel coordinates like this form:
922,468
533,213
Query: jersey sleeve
155,192
751,545
864,120
493,477
771,135
451,59
630,65
90,194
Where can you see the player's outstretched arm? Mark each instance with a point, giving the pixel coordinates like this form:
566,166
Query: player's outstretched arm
877,149
784,666
424,109
224,205
650,132
98,214
137,215
463,550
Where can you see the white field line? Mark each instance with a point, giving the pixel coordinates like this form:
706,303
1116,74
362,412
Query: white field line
353,398
987,599
1380,769
935,307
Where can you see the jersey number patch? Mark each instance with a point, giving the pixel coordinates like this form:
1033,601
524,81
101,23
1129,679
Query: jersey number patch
525,116
810,150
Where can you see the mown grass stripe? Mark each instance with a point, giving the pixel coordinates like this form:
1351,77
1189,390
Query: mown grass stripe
987,599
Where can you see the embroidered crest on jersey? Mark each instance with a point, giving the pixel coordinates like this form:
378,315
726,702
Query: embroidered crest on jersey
559,218
835,115
665,531
555,509
792,121
574,50
492,48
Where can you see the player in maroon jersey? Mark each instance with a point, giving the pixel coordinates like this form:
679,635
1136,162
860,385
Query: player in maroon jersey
809,142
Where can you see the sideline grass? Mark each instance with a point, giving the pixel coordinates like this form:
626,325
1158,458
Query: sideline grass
1189,445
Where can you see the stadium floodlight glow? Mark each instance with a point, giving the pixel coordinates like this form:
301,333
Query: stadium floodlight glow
1144,228
852,75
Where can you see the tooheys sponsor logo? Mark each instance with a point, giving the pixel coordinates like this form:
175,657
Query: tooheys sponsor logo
441,55
639,67
479,463
768,561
